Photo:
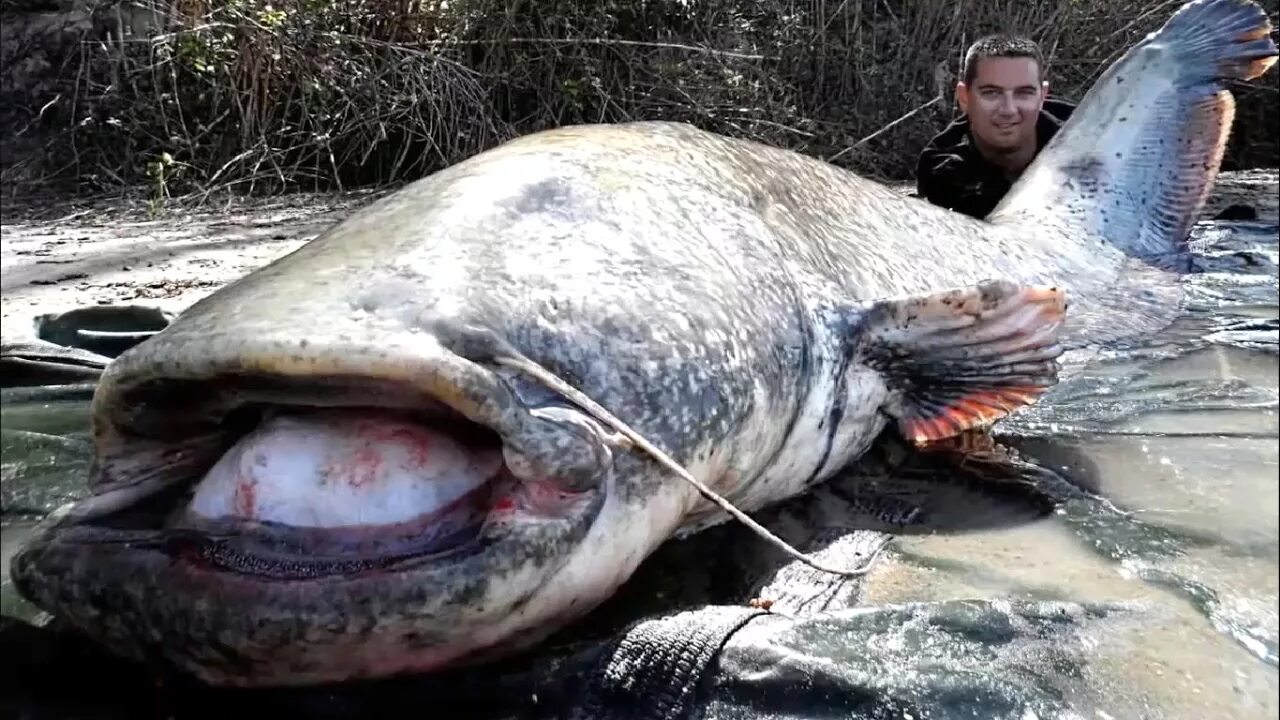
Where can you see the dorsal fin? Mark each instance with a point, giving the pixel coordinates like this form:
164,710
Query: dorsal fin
1136,160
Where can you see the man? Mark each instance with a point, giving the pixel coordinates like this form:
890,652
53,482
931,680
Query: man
1007,119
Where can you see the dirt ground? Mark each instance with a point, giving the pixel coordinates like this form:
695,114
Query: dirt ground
106,252
59,256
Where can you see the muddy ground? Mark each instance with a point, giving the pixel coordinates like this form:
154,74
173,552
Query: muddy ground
56,256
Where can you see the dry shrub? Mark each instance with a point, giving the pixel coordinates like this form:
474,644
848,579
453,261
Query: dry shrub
312,94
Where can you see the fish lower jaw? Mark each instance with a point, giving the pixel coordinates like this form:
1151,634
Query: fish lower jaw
273,551
432,553
233,607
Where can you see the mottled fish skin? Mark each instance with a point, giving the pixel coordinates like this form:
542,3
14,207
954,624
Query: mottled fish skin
721,322
710,292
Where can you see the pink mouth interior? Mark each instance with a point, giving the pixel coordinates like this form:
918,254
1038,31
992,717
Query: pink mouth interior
332,491
330,469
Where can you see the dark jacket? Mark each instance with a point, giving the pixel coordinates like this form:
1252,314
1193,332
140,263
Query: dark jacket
951,172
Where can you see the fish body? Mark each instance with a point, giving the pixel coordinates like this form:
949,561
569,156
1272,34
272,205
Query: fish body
332,468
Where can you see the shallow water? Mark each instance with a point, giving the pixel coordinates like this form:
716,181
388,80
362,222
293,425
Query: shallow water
1178,439
1181,436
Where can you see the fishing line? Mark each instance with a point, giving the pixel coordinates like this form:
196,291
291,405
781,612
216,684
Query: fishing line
555,383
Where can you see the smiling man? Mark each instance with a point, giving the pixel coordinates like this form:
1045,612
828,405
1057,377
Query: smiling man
1006,119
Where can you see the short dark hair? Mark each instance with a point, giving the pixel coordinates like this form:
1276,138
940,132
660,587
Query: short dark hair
1000,46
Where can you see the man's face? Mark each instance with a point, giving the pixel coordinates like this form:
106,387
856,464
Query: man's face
1003,102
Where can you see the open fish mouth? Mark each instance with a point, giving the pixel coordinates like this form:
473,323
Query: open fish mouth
292,490
259,529
309,492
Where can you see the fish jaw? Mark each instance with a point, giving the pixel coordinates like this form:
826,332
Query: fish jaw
164,607
246,602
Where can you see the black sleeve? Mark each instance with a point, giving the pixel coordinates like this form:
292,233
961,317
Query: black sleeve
922,175
929,184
